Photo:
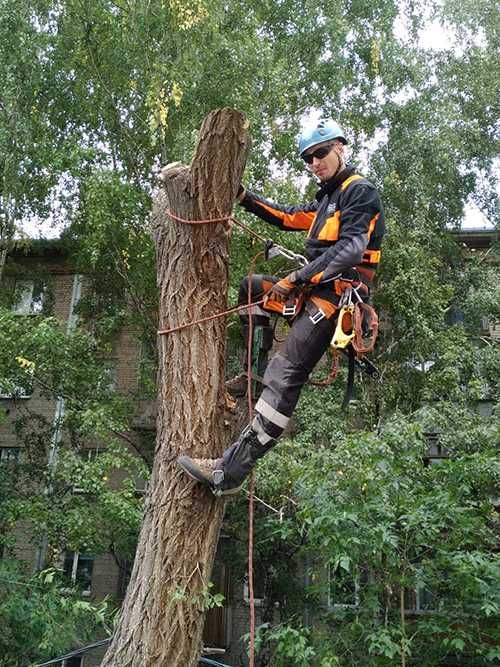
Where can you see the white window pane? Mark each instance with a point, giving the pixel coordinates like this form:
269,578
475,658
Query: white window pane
37,298
23,296
9,454
29,297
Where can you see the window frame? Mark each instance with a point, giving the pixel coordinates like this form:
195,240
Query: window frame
19,392
356,579
8,460
418,593
72,576
27,306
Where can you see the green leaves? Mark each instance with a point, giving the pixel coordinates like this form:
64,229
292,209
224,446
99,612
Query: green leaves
95,97
291,645
41,616
395,531
71,367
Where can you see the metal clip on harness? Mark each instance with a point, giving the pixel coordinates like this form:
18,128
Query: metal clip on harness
289,310
273,250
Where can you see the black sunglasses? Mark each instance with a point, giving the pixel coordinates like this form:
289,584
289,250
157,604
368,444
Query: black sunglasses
319,153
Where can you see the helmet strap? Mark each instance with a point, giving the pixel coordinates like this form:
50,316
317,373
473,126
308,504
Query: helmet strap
341,164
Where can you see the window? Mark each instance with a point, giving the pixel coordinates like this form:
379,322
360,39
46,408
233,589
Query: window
343,588
419,600
148,367
124,576
454,315
436,453
29,297
78,569
9,455
108,379
15,391
141,485
72,662
258,590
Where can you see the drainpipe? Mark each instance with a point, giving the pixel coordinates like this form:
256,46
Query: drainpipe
59,414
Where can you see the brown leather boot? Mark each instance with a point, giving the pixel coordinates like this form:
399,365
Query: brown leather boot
237,386
208,472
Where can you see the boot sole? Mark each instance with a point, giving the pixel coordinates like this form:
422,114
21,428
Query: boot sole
185,464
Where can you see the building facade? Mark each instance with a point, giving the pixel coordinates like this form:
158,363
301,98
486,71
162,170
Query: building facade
43,282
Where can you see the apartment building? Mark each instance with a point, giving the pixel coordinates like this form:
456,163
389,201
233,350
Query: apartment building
43,281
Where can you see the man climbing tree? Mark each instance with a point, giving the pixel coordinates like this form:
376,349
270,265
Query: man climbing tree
345,227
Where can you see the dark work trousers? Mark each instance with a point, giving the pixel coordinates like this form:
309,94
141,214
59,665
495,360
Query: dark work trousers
290,367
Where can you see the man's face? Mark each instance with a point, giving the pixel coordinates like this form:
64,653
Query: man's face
325,167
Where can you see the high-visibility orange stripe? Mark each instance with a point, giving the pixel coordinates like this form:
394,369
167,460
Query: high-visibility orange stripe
275,306
348,181
316,278
330,230
327,307
300,220
373,222
372,256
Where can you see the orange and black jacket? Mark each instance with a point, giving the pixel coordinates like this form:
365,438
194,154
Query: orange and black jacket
345,226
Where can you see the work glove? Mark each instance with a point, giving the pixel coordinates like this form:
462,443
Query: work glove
240,195
282,291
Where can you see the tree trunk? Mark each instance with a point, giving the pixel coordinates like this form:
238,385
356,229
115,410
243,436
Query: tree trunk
162,616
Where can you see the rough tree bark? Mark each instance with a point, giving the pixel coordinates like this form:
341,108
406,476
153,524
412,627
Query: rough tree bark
162,616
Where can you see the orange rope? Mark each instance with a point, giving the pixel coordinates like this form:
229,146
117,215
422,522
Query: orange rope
248,306
164,332
228,218
327,381
196,222
251,595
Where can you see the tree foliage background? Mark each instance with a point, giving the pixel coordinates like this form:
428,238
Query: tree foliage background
95,97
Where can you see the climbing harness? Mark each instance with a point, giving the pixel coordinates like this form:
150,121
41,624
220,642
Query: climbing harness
357,322
354,336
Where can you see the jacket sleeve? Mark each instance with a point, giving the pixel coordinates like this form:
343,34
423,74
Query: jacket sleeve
360,209
290,218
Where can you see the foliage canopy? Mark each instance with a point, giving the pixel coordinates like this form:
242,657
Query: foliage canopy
95,97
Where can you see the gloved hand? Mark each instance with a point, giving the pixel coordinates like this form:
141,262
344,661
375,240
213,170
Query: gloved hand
240,195
282,291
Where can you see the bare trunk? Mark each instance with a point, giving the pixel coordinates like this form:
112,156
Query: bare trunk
162,616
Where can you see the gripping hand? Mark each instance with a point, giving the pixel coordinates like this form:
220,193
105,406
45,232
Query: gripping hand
282,291
240,195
